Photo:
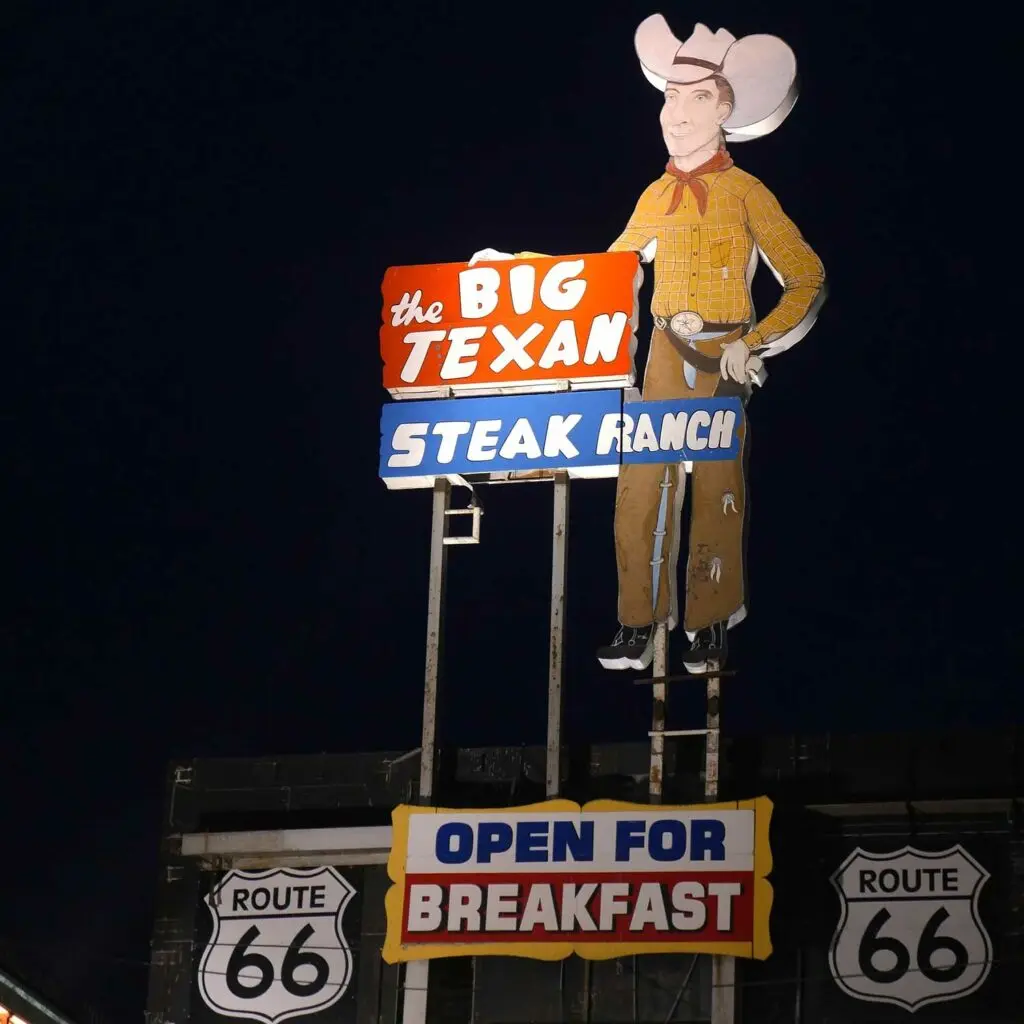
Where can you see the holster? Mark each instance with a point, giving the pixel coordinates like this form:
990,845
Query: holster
710,360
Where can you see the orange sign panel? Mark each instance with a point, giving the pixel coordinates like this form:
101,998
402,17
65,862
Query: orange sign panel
510,326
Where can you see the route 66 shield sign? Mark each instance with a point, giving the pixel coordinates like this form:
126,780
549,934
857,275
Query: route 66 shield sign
277,949
909,932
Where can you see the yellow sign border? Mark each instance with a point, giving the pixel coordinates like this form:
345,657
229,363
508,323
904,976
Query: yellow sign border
759,948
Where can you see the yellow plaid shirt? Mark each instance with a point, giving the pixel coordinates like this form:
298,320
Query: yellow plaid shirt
701,262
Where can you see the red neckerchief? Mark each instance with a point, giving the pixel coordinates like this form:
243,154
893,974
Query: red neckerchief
721,161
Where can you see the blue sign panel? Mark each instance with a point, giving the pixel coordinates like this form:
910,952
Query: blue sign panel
681,430
589,432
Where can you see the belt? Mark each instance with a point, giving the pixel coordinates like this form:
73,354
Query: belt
665,324
685,343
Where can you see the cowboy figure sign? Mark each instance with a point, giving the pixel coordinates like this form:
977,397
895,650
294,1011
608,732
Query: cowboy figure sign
704,223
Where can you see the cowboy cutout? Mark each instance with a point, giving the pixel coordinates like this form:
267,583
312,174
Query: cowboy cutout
703,223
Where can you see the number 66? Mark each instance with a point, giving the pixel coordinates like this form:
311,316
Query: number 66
293,960
928,945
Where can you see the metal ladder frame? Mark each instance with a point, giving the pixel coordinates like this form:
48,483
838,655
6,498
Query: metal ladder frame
723,968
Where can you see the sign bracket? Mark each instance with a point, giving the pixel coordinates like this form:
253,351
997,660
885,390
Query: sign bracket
474,509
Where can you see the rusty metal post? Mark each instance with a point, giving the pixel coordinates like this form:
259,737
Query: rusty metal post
712,737
656,778
556,641
723,968
656,781
417,972
435,623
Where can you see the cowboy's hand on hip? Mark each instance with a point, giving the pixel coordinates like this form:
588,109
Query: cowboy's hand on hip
735,357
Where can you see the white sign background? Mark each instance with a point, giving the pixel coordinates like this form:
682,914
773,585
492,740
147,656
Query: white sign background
423,828
277,948
910,946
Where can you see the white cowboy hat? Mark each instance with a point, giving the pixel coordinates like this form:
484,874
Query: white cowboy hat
761,70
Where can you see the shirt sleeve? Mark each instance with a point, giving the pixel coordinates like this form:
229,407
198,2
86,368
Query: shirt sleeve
639,230
797,268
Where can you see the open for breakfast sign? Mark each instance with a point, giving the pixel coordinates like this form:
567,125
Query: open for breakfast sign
604,880
510,327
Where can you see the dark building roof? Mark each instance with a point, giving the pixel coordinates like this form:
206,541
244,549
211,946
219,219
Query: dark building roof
309,791
831,791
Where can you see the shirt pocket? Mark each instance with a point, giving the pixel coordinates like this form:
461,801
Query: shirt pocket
720,253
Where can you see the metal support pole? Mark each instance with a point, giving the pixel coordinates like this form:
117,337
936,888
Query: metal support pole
556,650
711,744
723,968
656,778
435,637
417,973
656,781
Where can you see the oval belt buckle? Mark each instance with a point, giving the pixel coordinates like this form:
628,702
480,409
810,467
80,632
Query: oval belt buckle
686,323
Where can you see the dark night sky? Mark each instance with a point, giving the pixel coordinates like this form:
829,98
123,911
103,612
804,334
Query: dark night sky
201,202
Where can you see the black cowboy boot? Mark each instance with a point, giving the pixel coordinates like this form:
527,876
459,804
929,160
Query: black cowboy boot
633,647
710,644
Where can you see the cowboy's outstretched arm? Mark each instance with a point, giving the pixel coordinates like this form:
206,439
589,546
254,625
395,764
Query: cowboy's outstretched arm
797,268
640,234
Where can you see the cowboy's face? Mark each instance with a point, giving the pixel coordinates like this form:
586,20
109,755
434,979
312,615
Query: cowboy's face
692,116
